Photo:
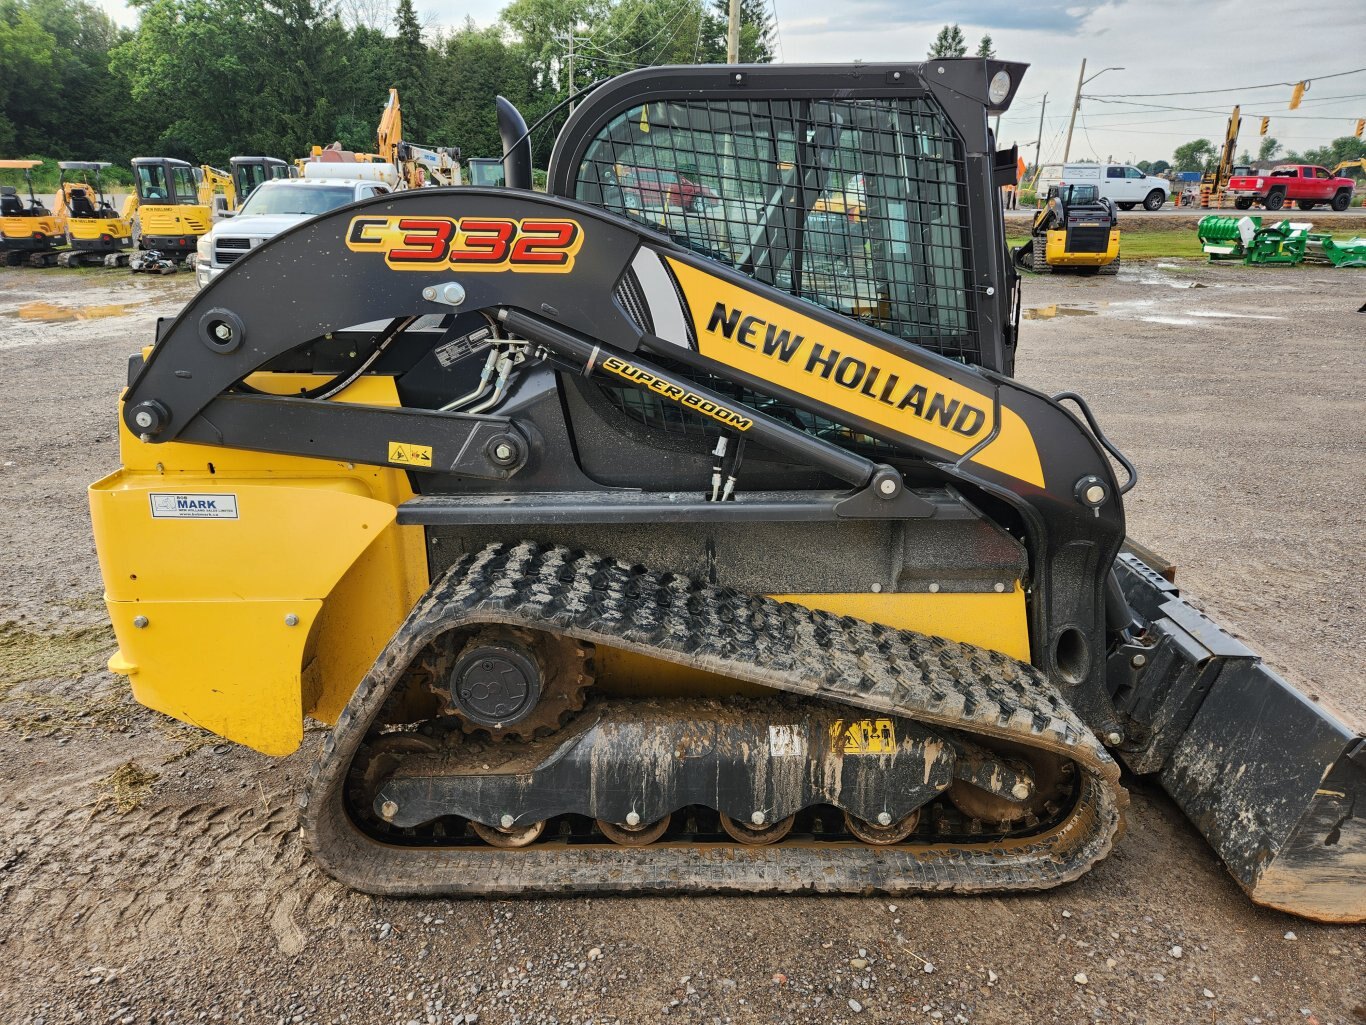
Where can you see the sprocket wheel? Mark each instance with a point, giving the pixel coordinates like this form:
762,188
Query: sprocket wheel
567,671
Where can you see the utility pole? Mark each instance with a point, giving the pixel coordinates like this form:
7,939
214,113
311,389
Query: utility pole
733,34
1038,142
1076,102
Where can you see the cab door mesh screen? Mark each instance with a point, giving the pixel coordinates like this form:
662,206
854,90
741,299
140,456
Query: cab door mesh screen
857,205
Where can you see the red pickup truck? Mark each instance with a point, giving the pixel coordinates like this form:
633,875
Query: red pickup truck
1304,184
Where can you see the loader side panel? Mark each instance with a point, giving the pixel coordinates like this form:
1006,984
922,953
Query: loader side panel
246,590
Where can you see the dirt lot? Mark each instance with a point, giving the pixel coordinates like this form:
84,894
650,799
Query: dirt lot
1237,390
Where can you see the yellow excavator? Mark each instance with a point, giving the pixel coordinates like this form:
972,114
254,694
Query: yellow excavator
30,233
249,172
416,166
172,213
97,233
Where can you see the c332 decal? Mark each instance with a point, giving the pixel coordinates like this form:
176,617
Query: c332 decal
532,245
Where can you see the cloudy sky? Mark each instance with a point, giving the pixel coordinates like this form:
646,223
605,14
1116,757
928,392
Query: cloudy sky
1186,47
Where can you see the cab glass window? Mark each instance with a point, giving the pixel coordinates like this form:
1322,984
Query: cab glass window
1133,172
857,205
186,189
152,187
1321,172
1114,172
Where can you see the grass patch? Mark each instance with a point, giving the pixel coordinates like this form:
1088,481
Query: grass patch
1147,245
125,788
27,654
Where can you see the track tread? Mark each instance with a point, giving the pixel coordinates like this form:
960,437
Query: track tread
745,636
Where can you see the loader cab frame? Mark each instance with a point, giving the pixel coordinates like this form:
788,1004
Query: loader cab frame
872,193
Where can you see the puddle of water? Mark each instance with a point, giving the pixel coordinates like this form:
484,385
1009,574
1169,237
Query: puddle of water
51,312
1148,279
1057,310
1216,314
1178,321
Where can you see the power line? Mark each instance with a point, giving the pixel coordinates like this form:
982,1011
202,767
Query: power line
1241,88
1211,110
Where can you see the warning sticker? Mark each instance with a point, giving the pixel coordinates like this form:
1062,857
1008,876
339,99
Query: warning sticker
410,455
786,741
864,736
194,507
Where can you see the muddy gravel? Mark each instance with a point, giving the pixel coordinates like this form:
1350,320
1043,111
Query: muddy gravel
149,873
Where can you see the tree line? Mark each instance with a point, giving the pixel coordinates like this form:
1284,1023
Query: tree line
203,80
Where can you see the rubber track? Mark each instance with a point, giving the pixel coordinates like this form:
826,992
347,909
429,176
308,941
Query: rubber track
745,636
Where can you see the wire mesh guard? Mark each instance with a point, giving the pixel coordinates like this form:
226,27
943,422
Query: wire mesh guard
857,205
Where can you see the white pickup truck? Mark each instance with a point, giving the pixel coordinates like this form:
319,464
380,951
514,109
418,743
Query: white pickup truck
276,205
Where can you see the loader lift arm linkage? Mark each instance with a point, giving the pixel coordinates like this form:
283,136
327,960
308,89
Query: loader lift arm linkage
619,337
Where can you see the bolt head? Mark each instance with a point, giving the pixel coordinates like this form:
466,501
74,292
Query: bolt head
887,487
1095,494
632,818
291,620
429,294
934,589
1114,738
758,818
143,419
991,290
1019,791
998,587
388,809
222,332
503,451
883,819
1139,661
140,622
507,821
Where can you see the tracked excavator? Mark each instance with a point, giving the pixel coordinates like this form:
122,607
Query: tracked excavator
711,550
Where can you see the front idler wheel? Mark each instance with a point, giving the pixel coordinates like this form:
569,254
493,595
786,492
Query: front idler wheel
511,836
757,834
879,835
641,835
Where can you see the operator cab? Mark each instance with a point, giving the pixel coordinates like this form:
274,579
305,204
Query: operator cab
85,191
249,172
165,181
10,203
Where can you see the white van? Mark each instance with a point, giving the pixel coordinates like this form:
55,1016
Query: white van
1127,186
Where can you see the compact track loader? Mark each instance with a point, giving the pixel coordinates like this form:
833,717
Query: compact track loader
709,548
1077,229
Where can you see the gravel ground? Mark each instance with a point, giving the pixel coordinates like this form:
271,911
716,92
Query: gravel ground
1236,390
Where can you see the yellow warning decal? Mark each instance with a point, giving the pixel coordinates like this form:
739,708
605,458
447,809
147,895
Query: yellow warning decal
864,736
410,455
